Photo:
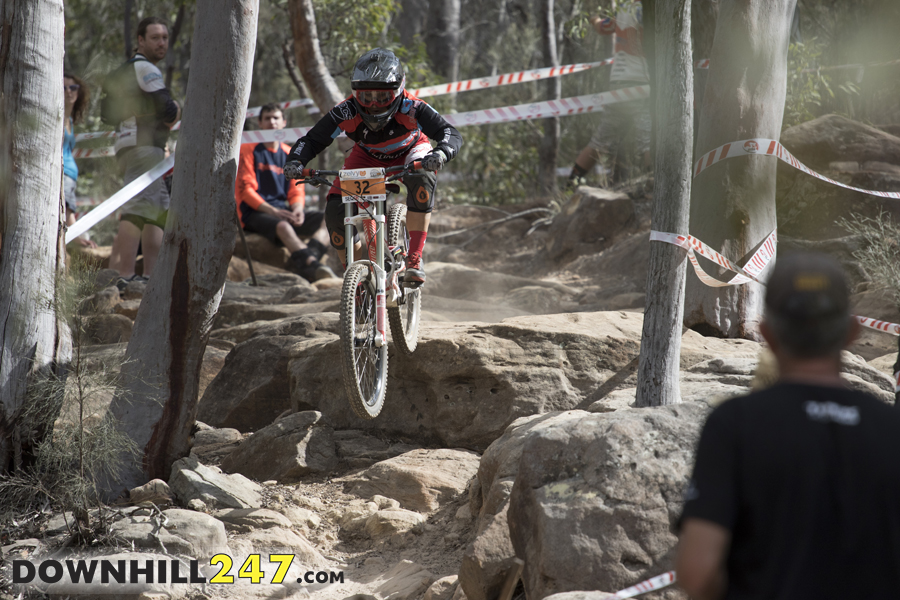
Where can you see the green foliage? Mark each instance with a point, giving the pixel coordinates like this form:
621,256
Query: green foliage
879,255
497,165
810,91
348,28
77,445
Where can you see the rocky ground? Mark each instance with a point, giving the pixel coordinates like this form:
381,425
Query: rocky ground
509,433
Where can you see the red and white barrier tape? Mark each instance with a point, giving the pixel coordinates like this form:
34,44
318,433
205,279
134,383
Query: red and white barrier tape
651,585
536,110
484,83
119,198
251,112
550,108
702,64
767,147
750,272
897,382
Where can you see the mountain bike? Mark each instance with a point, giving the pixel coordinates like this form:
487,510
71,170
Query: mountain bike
373,291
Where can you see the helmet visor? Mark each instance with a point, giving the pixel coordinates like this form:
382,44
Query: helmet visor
376,99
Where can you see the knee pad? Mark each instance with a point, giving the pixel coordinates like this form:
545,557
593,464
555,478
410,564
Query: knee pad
334,220
420,191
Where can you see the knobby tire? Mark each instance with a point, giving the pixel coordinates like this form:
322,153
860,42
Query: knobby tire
404,319
364,365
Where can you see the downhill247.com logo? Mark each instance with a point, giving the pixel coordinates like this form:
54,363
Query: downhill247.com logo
156,570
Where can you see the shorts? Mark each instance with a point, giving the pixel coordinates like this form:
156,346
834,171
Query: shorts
622,121
420,188
69,185
151,206
265,225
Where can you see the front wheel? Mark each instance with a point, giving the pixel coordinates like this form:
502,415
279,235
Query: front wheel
404,318
364,364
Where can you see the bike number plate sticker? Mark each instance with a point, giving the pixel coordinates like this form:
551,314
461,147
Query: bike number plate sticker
363,185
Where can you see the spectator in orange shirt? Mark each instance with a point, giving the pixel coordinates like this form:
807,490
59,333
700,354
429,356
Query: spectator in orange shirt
270,205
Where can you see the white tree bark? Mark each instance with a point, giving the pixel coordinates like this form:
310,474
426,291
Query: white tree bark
548,151
442,37
322,88
661,337
157,403
733,201
34,341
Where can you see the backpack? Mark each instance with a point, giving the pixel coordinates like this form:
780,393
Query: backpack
115,105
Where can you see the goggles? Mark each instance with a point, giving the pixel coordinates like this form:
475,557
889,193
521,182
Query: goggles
375,99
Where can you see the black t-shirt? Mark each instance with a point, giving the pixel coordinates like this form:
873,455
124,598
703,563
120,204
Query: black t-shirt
807,479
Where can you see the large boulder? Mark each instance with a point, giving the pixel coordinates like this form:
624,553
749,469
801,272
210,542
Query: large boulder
833,138
589,222
183,532
596,497
238,313
420,480
192,480
291,447
490,554
261,250
251,389
468,381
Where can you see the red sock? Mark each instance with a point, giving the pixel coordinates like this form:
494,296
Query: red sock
417,241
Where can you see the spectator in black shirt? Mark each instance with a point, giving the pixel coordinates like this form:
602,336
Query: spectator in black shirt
796,489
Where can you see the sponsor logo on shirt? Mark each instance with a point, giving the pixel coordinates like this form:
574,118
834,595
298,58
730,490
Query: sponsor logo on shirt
823,412
152,77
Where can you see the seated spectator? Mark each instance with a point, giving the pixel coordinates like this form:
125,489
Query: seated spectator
77,98
796,490
272,206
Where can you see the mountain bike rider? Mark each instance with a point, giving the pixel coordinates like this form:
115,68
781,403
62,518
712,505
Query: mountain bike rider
390,127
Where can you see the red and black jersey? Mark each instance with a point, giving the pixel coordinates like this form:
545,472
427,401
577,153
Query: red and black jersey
414,120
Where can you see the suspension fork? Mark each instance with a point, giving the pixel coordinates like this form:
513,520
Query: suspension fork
364,224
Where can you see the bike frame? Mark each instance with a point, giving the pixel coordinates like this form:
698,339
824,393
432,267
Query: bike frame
376,262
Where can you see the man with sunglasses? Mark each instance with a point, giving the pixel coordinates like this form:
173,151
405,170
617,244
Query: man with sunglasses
390,127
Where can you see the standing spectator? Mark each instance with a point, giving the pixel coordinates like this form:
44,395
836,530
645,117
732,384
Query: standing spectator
272,206
77,98
796,488
143,111
620,121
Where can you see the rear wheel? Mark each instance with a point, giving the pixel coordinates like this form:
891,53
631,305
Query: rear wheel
364,364
404,318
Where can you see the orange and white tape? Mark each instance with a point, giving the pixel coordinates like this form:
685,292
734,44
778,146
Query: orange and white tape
550,108
651,585
536,110
750,272
768,147
484,83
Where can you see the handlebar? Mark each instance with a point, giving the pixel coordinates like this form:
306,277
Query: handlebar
400,171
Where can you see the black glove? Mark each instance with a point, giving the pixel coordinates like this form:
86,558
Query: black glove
293,169
434,160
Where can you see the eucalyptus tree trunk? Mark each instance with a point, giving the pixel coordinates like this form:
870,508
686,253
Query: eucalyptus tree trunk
733,201
703,30
549,149
442,39
322,88
35,343
661,337
156,404
129,39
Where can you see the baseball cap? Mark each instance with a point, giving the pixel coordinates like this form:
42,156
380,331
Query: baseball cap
808,286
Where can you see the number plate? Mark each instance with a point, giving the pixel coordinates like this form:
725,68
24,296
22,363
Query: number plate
363,185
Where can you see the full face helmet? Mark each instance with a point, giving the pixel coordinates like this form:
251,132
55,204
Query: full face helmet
378,82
